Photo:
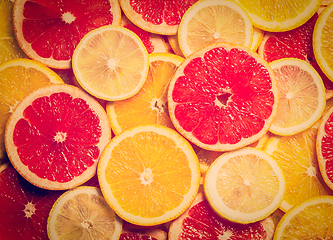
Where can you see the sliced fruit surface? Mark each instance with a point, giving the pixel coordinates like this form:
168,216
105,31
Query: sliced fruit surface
258,36
160,17
9,47
83,213
149,105
302,97
323,41
311,219
55,136
19,77
201,222
155,181
245,185
24,208
210,21
324,146
280,16
296,43
111,63
135,232
49,31
296,156
223,97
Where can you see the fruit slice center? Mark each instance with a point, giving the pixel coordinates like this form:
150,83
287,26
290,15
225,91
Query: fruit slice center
60,133
29,209
68,17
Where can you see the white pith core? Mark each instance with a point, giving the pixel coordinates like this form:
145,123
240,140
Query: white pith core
112,64
226,235
29,209
312,171
146,176
67,17
86,224
159,105
60,137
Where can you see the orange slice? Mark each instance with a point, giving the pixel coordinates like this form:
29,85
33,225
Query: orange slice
111,63
223,97
55,136
49,31
212,21
245,185
149,105
149,174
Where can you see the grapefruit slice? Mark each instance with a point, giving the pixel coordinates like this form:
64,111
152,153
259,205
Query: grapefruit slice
149,174
49,31
201,222
24,208
324,146
82,213
55,136
296,43
160,17
223,97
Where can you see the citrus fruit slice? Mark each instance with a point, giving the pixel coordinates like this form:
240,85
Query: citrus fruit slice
296,156
135,232
9,47
201,222
296,43
302,97
82,213
323,40
153,42
149,174
173,41
244,185
311,219
55,136
324,146
210,21
258,36
111,63
24,208
223,97
149,105
19,77
162,17
280,16
48,31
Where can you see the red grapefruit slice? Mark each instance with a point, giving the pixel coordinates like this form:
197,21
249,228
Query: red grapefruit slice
160,17
296,43
48,31
223,97
24,208
55,136
201,222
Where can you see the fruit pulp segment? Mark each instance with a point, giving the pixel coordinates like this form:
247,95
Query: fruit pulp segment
327,147
142,175
296,156
85,216
57,137
242,187
298,96
156,13
219,72
327,40
54,28
111,63
207,27
202,222
315,221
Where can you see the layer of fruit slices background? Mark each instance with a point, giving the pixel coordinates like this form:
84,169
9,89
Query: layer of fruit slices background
25,208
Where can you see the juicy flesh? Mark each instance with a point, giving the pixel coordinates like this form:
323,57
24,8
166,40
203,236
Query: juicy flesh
327,148
85,217
203,223
149,105
298,96
169,12
223,97
57,137
142,176
327,41
55,28
243,188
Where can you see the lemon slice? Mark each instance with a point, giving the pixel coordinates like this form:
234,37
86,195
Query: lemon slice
245,185
302,97
210,21
111,63
82,213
